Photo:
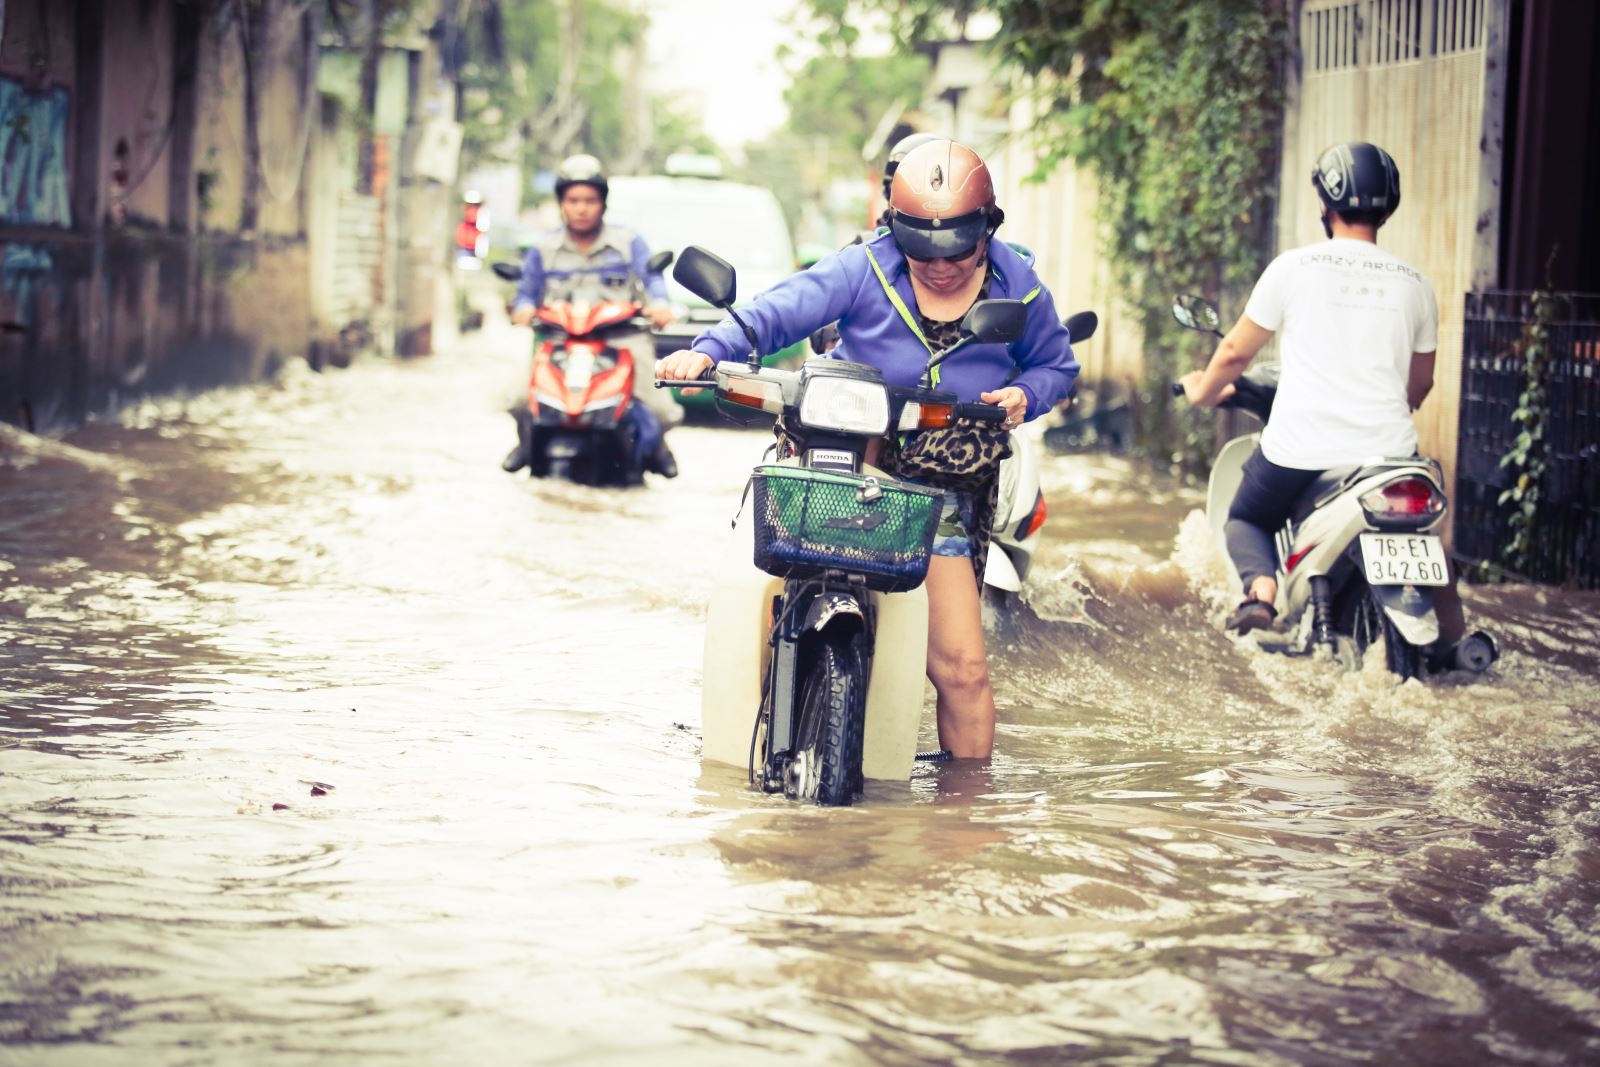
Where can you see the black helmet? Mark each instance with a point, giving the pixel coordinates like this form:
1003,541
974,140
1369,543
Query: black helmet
581,170
898,152
1358,177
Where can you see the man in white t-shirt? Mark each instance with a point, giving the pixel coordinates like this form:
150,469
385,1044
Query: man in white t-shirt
1359,332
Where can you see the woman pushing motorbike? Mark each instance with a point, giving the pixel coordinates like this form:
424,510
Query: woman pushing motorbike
898,298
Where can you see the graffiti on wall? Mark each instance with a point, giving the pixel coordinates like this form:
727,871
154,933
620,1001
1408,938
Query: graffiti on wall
21,268
33,156
33,184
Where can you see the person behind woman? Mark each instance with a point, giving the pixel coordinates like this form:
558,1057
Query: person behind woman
898,298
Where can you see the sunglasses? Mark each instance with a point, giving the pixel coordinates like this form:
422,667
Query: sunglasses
960,257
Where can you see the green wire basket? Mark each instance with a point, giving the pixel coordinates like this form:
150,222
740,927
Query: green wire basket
808,521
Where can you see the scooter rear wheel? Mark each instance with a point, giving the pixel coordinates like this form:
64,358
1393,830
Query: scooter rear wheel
827,760
1369,622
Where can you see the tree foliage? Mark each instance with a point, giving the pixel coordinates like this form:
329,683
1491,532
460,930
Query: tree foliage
542,79
839,98
836,101
1176,107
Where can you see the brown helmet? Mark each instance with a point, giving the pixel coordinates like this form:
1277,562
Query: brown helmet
901,149
941,201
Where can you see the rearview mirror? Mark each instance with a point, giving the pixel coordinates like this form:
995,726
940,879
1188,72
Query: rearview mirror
1197,313
1081,326
658,262
511,272
708,276
996,320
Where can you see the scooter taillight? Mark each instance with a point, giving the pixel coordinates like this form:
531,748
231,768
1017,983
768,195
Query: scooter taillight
1294,560
1030,525
1409,501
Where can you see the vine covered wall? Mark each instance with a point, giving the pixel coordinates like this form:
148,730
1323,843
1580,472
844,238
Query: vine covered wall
1177,108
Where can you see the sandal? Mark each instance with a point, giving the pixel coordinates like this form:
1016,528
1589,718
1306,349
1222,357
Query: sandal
1252,614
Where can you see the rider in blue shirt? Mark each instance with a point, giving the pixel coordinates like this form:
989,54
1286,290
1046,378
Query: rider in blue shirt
598,260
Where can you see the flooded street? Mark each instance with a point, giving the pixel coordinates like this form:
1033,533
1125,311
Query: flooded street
323,740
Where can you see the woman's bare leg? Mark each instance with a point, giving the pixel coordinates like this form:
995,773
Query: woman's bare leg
958,664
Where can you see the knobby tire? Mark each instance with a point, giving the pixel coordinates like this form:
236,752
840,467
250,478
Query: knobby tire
832,709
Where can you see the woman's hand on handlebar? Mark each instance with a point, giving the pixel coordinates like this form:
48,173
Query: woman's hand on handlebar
1014,400
684,366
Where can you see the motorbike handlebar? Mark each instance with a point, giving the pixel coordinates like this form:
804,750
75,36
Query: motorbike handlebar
980,412
705,381
1253,392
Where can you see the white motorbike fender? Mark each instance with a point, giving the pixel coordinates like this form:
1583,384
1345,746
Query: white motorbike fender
1019,487
999,571
735,660
1410,608
824,609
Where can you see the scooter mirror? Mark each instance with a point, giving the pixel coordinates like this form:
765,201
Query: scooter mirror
1197,313
996,320
658,262
1081,325
708,276
511,272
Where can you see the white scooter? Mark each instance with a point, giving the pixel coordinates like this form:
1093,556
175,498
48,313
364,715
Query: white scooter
1359,557
817,631
1020,511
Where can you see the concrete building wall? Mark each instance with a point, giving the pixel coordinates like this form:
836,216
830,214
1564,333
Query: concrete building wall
134,133
113,282
219,141
1056,217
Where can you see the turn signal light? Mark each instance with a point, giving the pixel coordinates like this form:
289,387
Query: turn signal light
750,393
916,416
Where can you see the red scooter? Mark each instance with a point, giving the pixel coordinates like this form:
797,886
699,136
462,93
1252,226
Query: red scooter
578,424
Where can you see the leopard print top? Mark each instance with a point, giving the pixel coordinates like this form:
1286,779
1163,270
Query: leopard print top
942,334
963,457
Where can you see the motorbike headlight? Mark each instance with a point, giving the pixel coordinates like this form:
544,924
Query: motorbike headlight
845,404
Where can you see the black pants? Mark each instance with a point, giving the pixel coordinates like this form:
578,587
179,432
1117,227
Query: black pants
1266,497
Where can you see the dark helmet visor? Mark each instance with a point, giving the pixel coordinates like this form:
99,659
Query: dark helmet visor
938,238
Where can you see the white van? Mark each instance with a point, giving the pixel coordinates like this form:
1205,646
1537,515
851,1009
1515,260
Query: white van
743,224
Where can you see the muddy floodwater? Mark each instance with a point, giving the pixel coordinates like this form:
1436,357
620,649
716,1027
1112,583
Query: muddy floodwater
325,741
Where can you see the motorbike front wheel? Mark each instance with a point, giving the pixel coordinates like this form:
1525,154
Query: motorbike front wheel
826,765
1369,623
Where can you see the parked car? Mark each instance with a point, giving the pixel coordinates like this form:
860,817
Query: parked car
744,223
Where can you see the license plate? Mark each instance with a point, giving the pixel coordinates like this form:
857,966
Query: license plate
1404,559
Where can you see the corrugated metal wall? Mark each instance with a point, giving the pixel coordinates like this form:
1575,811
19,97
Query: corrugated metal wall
358,254
1408,75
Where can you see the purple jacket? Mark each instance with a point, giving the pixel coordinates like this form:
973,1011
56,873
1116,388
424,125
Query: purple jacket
843,287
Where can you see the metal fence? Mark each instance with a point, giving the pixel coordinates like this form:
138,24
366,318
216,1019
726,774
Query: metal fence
1566,538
